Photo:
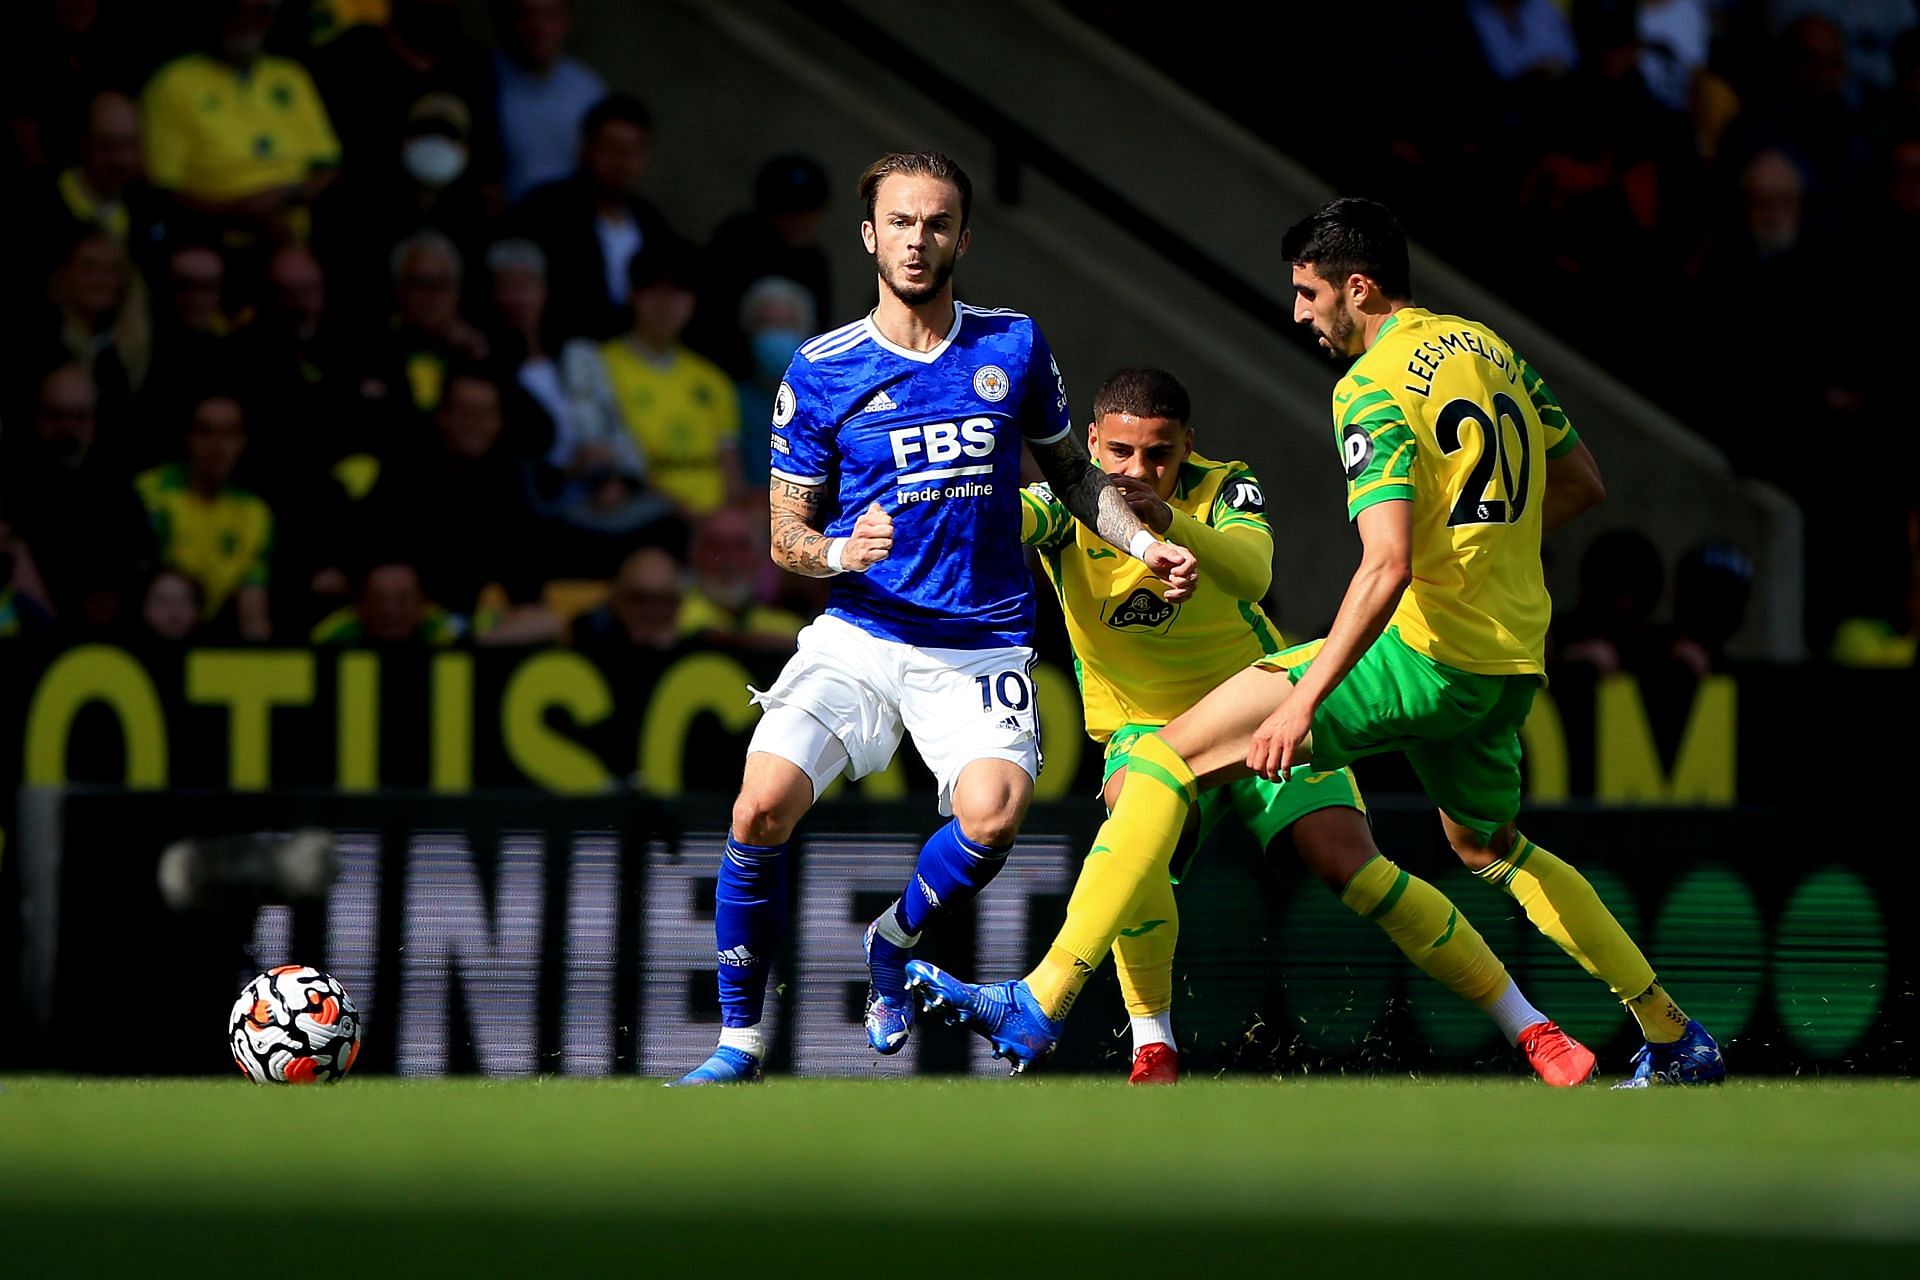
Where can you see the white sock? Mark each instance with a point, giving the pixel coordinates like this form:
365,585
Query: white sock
1153,1028
889,928
1512,1013
749,1040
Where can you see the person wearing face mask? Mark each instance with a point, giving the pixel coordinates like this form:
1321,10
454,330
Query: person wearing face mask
373,75
776,315
429,184
778,236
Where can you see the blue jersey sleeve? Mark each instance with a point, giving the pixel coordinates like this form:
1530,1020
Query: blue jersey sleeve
802,441
1044,415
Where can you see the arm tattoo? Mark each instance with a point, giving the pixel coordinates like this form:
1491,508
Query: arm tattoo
1083,489
798,547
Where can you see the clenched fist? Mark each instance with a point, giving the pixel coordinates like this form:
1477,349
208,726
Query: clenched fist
870,542
1174,565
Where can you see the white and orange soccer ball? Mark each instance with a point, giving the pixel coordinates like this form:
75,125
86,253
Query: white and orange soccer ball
294,1025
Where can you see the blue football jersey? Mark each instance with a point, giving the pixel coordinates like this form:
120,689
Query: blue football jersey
934,438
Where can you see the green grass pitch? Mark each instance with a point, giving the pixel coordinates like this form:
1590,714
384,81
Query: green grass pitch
994,1179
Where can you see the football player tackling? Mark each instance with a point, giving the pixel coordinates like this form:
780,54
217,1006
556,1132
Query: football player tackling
896,471
1142,661
1457,459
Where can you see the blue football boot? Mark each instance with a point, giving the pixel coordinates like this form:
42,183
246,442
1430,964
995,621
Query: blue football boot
889,1016
726,1066
1005,1013
1692,1059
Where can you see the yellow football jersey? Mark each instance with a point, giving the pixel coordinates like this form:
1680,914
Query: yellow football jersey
1442,413
681,412
219,134
1139,659
223,545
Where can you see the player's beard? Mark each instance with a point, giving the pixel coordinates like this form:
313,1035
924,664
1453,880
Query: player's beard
915,294
1339,334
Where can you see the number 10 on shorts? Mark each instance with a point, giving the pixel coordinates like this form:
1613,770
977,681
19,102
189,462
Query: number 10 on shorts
1012,688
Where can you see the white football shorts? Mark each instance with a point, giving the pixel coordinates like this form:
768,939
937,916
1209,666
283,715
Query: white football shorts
960,705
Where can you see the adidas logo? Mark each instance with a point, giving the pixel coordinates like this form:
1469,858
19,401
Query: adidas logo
738,957
1010,723
933,899
881,400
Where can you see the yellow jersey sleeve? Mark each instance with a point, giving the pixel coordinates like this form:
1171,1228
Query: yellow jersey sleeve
1378,448
1235,543
166,129
1045,521
1561,437
311,132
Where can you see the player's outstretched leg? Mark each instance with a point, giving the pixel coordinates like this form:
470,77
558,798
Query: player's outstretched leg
749,912
959,860
1563,906
1336,844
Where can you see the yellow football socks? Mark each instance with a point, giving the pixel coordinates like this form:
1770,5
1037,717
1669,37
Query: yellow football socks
1428,929
1132,851
1564,907
1143,953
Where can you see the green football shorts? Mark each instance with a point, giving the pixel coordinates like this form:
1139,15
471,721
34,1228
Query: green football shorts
1264,808
1460,731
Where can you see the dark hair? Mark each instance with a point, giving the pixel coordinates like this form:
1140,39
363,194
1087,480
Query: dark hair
1352,236
917,164
666,257
1143,392
623,107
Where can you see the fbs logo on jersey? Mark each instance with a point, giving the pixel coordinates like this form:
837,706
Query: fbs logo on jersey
1356,451
1142,611
990,384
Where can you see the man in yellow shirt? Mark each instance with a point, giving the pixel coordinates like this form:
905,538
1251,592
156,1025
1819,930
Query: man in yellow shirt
682,411
719,605
217,534
1142,661
237,136
1457,459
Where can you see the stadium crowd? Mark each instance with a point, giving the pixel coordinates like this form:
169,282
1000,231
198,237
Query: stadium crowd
334,324
339,326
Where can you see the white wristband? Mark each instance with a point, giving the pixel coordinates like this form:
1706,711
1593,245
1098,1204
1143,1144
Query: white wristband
836,548
1142,539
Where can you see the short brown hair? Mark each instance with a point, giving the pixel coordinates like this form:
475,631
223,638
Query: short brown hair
917,164
1143,392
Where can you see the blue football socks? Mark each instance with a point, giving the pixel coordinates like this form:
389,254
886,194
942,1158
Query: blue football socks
749,910
952,870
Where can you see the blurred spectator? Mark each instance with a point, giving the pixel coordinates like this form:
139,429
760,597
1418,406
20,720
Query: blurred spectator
171,607
776,315
719,607
598,477
240,138
643,609
1806,106
1711,590
373,74
204,525
104,191
1621,578
1887,637
1869,29
592,224
25,609
428,333
190,328
779,236
427,184
544,94
460,510
391,609
100,319
57,55
1675,37
680,409
87,529
1522,38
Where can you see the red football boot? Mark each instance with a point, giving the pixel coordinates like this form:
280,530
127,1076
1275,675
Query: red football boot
1555,1056
1160,1064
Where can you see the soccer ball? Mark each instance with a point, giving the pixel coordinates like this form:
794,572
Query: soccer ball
294,1025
